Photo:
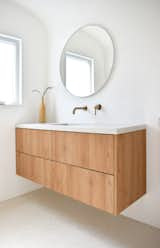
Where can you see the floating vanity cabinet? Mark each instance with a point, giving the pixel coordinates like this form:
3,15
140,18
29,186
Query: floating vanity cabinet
106,171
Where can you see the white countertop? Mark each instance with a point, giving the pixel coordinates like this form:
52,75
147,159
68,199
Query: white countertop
85,128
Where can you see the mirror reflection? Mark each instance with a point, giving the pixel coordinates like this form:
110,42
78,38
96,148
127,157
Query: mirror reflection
87,61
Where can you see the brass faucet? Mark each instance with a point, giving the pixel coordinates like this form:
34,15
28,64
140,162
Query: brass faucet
85,108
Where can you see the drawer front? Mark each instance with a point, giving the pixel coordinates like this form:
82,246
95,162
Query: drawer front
56,177
92,151
36,142
92,188
30,167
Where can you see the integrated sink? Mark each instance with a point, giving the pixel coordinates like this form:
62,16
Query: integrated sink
56,123
74,124
101,128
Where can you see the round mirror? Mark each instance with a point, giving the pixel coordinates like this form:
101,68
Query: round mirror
87,61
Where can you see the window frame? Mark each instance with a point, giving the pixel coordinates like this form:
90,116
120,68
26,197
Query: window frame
18,43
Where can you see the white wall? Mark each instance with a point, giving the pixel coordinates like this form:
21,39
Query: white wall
133,93
15,21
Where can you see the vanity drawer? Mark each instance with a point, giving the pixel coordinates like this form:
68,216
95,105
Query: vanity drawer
92,151
92,188
38,143
30,167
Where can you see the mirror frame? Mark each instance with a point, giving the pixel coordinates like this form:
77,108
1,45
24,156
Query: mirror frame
113,64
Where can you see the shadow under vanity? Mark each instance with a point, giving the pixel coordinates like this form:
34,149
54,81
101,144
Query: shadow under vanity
104,168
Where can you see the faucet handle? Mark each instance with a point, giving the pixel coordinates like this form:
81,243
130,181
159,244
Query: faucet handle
97,107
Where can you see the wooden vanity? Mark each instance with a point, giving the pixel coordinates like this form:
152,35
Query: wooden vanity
106,171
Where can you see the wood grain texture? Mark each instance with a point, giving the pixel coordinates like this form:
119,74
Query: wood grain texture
91,151
130,176
101,152
72,148
30,167
114,166
39,143
56,177
93,188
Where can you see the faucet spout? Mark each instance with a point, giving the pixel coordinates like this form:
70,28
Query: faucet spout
85,108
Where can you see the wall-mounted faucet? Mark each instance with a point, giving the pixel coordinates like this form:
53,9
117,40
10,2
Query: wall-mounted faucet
97,107
85,108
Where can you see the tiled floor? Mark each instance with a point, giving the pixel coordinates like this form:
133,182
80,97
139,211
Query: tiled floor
43,219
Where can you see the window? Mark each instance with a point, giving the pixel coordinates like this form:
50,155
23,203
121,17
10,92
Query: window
79,74
10,70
